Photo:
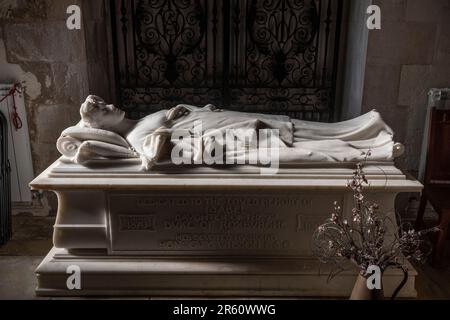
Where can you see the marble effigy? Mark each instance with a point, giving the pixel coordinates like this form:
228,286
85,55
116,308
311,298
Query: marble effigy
105,133
203,230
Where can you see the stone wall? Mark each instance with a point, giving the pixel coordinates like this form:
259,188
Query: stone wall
409,55
58,68
37,47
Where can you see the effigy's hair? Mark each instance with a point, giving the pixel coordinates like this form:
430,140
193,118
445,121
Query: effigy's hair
86,111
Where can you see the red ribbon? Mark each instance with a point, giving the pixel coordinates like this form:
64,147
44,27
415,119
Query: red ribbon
17,122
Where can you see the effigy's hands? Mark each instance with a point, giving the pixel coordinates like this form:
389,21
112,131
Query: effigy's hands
177,112
153,147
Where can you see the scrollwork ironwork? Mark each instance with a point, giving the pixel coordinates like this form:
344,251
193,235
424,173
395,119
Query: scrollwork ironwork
281,51
253,55
171,49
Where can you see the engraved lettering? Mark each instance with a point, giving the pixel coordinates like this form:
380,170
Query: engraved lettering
308,223
137,222
213,223
224,241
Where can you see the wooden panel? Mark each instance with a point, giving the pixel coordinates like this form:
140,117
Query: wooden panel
438,162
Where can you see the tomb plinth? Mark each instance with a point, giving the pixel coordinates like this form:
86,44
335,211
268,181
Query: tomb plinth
203,231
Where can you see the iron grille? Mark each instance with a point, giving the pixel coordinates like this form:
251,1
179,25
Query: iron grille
268,56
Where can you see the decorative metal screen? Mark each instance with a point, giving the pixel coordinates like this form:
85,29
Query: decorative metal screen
268,56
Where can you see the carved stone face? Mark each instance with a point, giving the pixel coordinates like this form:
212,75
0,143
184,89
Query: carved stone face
97,114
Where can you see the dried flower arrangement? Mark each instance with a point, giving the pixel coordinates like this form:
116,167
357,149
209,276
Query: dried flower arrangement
367,237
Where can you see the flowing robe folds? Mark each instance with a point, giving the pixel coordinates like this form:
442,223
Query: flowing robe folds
154,137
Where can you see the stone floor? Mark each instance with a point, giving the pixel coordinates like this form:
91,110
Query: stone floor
32,240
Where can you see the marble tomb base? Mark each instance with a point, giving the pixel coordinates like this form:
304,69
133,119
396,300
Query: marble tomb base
203,231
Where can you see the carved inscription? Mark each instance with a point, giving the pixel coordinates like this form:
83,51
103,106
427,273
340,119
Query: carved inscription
214,241
137,222
225,221
215,223
306,223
